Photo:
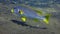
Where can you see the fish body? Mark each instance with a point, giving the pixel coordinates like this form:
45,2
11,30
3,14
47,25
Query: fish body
28,13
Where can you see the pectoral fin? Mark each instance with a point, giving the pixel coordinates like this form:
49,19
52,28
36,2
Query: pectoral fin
21,12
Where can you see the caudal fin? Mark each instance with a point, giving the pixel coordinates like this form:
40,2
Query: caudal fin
46,19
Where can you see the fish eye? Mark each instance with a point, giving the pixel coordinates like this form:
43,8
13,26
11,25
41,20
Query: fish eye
21,12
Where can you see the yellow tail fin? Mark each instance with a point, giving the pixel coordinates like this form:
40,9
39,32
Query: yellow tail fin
46,19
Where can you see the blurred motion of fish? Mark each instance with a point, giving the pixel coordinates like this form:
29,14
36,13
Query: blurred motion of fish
25,12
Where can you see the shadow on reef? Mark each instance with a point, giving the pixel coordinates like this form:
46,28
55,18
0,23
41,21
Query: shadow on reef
24,24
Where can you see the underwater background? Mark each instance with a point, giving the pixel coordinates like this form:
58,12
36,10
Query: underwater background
10,24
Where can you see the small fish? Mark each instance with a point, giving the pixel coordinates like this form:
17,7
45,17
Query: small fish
26,12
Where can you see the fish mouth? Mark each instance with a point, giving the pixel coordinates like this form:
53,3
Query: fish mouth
12,10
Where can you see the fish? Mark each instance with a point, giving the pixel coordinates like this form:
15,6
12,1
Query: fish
25,12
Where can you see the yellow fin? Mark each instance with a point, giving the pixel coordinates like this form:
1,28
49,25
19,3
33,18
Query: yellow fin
21,12
46,19
12,10
23,19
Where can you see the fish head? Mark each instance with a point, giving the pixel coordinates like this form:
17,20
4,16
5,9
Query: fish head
17,10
